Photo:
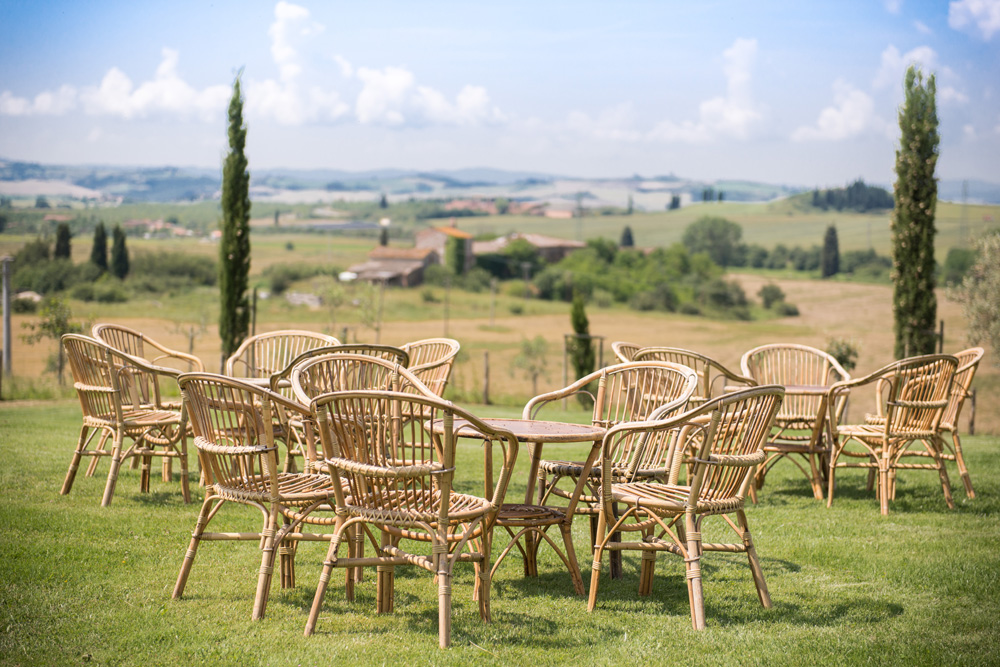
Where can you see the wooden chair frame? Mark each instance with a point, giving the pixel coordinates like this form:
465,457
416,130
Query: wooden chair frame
625,352
405,491
432,360
120,398
727,434
914,393
799,435
714,379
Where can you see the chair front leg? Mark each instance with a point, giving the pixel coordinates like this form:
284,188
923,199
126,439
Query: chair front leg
692,564
116,462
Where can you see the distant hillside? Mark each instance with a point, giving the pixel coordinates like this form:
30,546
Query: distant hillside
112,184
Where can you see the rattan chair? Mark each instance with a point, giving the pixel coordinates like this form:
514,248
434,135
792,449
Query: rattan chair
625,351
968,363
120,398
914,394
799,434
714,379
431,360
625,392
234,434
140,345
407,492
262,356
730,432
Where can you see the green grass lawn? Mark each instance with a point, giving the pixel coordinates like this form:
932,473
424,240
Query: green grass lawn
86,585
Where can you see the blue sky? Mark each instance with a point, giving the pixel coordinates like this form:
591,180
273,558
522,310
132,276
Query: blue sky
800,93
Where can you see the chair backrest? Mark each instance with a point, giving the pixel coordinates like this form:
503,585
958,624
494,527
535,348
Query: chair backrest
339,371
916,392
789,364
234,434
107,380
138,344
722,439
713,377
968,363
265,354
387,352
625,351
431,360
397,468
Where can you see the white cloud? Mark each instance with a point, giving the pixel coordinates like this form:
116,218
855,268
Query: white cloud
893,66
55,103
893,6
615,124
731,116
969,132
852,114
290,21
922,28
965,15
165,93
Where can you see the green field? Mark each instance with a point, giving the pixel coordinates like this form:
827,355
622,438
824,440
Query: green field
86,585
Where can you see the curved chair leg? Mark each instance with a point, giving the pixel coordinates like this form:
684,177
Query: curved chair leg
75,462
595,572
692,564
266,566
116,463
963,471
755,569
936,448
324,579
199,529
574,568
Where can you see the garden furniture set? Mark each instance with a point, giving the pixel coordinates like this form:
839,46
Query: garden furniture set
674,437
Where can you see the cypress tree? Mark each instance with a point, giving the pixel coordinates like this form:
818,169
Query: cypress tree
62,249
99,251
830,260
119,254
915,194
582,349
626,240
234,251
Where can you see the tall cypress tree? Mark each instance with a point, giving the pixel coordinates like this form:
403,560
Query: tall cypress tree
119,254
915,192
99,251
62,249
830,255
582,351
234,251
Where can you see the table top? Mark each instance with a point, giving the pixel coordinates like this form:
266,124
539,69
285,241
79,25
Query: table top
535,430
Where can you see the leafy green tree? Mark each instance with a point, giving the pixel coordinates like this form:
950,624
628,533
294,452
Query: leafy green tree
99,251
119,254
980,296
531,360
630,209
63,249
55,321
720,238
957,263
383,201
915,191
234,251
675,202
41,202
503,205
455,255
626,240
830,259
770,294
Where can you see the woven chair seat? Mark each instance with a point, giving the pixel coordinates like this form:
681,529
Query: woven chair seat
295,489
874,433
669,498
414,506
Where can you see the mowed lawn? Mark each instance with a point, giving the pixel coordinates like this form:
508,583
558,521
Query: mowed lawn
82,585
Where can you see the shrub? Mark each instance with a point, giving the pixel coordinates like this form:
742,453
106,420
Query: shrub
786,309
427,295
689,308
22,306
844,351
770,294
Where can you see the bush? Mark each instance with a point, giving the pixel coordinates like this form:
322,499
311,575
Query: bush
689,308
786,309
427,296
281,276
844,351
24,306
770,294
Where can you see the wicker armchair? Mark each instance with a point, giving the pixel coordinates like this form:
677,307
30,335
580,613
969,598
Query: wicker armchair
265,355
914,393
728,433
625,392
120,398
625,351
968,363
234,434
431,360
407,492
714,379
799,435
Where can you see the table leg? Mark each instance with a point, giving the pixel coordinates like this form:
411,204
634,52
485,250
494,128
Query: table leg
536,459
